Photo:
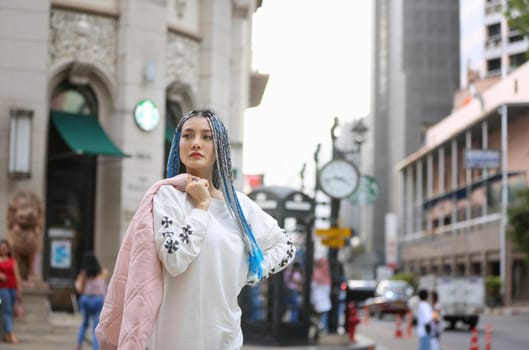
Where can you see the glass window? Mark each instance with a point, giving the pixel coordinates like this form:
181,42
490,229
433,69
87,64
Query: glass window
74,99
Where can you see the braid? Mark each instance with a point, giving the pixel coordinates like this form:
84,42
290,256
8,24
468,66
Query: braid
222,180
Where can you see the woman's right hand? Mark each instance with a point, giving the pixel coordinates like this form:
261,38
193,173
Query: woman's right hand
3,277
198,189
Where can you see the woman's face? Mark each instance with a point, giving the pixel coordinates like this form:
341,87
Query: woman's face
197,151
4,250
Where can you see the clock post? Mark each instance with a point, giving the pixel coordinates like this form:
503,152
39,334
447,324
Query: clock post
339,179
334,264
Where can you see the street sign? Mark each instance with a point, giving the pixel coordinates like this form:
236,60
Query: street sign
482,158
333,242
334,232
367,191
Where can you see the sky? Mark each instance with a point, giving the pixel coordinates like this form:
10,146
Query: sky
471,19
318,55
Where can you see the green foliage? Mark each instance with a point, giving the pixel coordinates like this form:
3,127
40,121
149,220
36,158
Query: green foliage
518,214
493,290
406,276
517,13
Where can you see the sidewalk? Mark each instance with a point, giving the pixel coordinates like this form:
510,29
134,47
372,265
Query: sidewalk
522,309
64,328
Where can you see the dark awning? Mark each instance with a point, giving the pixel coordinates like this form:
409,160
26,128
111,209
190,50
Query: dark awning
84,135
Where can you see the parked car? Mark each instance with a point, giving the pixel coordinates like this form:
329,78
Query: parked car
391,297
358,291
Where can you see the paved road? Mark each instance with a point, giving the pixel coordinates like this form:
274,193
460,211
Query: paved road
509,332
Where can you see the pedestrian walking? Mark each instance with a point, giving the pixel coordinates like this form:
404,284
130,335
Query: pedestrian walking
10,290
92,286
293,277
437,323
424,321
191,247
321,293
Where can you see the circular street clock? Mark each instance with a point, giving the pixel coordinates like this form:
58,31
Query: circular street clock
146,115
339,178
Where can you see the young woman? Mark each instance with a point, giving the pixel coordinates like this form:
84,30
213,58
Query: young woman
321,292
91,284
211,241
10,290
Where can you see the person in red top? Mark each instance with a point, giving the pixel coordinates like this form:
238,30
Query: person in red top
9,291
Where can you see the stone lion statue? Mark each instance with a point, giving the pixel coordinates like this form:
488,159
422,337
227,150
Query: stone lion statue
25,220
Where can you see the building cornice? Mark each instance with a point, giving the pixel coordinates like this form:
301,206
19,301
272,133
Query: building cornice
93,9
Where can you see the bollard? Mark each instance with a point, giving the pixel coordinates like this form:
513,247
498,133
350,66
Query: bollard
474,339
409,324
487,337
366,315
398,330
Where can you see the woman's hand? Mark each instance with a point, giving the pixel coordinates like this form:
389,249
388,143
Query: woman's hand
198,189
3,277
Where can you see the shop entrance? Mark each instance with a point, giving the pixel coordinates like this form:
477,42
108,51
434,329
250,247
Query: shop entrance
75,139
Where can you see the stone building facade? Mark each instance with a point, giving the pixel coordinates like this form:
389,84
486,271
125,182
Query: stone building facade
78,81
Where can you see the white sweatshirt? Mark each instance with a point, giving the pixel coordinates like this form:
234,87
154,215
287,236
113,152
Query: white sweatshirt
205,267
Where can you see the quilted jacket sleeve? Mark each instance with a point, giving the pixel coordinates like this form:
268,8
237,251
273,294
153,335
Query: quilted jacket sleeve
178,235
134,292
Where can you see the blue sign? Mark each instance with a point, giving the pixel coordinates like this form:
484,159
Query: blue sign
482,158
61,254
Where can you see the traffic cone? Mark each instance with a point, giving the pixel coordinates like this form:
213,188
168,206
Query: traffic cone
474,339
408,324
366,315
487,337
398,330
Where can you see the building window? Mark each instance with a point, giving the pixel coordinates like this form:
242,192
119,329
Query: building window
515,36
74,99
493,35
494,66
517,60
494,30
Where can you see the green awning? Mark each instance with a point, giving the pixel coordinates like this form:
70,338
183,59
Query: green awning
84,135
169,133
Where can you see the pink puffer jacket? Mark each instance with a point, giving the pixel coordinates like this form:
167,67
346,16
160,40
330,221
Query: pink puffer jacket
135,290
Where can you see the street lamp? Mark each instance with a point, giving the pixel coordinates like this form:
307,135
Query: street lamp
359,131
350,183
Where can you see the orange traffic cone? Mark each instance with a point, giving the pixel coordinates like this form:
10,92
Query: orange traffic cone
409,324
398,330
474,339
487,337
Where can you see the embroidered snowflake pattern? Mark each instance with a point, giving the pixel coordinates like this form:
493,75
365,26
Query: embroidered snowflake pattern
167,234
184,237
270,273
186,232
171,246
289,255
187,229
166,221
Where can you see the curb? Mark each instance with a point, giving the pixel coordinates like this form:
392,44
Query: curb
507,311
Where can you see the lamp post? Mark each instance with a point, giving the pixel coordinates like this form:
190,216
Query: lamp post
359,130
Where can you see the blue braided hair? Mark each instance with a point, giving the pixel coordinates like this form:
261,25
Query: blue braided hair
222,180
